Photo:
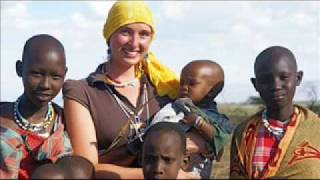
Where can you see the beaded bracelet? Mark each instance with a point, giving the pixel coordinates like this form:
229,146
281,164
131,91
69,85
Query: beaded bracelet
198,122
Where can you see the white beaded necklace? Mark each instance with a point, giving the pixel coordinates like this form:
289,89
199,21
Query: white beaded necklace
277,131
133,82
31,127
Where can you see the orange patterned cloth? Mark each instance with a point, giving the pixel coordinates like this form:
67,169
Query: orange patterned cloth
298,152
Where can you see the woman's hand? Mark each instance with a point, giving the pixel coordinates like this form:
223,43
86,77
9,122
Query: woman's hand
196,144
187,175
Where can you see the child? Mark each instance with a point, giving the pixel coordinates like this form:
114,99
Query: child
196,111
281,141
31,127
164,151
49,171
77,167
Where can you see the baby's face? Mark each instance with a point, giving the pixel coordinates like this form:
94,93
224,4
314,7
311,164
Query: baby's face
194,83
162,156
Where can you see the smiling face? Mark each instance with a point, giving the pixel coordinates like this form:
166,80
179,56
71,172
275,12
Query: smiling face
162,156
200,79
130,43
42,70
276,80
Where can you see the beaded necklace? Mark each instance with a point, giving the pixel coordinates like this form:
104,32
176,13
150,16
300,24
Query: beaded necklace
31,127
136,125
277,131
134,82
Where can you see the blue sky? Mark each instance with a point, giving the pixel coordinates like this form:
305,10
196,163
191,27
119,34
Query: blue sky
231,33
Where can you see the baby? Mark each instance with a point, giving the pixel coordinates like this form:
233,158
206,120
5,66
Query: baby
196,111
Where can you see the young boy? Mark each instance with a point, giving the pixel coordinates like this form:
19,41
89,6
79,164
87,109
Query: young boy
77,167
281,141
196,111
31,127
164,151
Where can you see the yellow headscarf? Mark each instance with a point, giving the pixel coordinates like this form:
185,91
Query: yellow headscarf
122,13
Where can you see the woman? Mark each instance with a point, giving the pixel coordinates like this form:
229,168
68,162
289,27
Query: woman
115,101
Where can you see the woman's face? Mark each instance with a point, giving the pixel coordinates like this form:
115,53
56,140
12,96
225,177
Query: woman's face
130,43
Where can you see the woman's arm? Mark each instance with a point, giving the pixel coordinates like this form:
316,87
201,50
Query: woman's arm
84,142
81,130
196,144
110,171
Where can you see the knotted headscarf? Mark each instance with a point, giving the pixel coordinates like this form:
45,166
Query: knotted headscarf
122,13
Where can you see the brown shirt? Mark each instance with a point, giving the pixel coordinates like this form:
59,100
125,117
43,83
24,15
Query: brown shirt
107,115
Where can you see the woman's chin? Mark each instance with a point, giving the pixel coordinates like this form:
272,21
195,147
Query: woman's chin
132,60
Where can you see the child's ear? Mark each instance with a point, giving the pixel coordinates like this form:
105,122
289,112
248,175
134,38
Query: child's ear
299,77
253,81
212,92
185,162
215,90
19,65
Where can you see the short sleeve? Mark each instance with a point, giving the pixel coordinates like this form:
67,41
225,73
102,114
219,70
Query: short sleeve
221,119
76,90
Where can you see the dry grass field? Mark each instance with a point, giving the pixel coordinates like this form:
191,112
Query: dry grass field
236,113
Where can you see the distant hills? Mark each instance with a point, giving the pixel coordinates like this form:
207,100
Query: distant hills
239,92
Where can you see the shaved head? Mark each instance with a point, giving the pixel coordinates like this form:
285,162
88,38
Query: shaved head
274,53
207,70
41,43
276,79
214,69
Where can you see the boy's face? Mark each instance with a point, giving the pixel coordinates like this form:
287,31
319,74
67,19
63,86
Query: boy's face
276,81
43,72
162,156
195,82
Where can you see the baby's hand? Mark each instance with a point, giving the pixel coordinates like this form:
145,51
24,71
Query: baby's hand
190,119
184,104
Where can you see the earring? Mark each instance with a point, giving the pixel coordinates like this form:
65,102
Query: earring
146,57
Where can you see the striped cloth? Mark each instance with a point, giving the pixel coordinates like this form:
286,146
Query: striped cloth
298,152
267,146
